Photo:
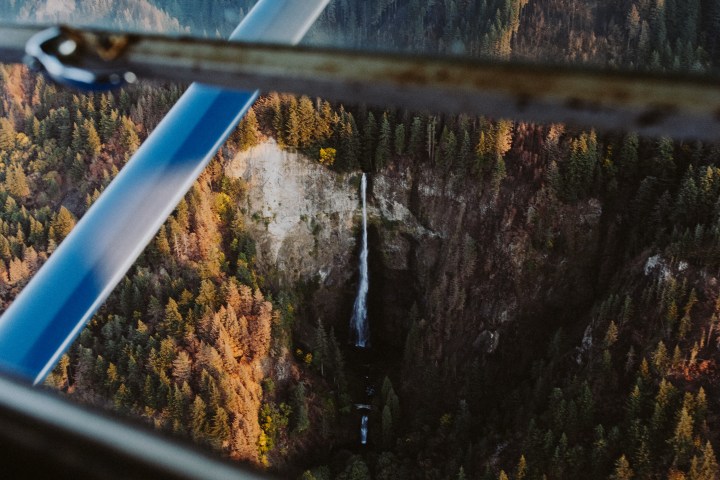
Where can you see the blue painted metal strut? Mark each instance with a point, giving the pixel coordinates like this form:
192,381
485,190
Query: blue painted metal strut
58,302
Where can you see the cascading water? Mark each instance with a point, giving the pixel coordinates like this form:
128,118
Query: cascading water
363,430
359,329
358,322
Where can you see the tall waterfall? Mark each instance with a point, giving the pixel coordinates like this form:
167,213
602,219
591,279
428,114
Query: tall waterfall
359,323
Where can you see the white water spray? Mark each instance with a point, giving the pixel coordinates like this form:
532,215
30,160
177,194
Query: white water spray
364,430
358,322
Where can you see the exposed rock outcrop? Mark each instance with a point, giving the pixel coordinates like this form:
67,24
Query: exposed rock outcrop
470,260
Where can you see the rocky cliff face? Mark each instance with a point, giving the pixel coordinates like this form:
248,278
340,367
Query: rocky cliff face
447,252
303,218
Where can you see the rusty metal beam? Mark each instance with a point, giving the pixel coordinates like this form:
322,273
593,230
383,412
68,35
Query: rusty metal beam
678,105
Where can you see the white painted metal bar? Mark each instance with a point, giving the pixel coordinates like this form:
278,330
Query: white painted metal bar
681,105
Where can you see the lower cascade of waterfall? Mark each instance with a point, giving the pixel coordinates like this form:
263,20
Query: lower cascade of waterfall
364,430
359,322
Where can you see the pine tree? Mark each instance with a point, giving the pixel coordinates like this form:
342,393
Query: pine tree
220,429
198,423
292,125
701,407
387,427
129,136
382,152
173,320
622,470
416,137
466,151
7,135
660,358
63,224
611,335
399,139
248,130
369,141
108,124
162,244
182,367
321,351
278,119
350,144
448,148
709,469
16,182
499,174
300,409
661,411
682,440
521,469
628,163
122,397
93,144
307,122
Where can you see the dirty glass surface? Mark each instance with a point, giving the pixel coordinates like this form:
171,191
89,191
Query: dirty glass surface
537,298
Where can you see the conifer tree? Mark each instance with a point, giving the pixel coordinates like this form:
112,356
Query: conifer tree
416,137
622,470
173,320
387,427
292,125
350,144
300,409
611,335
521,469
382,152
93,144
682,440
321,351
16,182
399,139
248,130
660,358
709,469
369,141
306,122
63,224
220,429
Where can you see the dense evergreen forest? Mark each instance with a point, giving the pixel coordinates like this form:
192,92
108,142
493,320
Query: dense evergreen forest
618,382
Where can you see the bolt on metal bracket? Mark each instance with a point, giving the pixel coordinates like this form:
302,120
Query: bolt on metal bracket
88,62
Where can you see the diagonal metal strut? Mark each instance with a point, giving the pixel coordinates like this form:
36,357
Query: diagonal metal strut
61,298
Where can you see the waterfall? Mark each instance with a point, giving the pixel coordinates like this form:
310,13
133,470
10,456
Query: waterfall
363,430
359,323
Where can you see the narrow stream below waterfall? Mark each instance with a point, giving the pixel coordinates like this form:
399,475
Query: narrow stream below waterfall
364,430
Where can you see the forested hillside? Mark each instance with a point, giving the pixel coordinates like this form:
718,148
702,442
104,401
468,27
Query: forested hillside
139,15
185,340
552,312
642,34
613,369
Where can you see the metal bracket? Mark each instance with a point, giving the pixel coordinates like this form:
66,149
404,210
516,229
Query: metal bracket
88,62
